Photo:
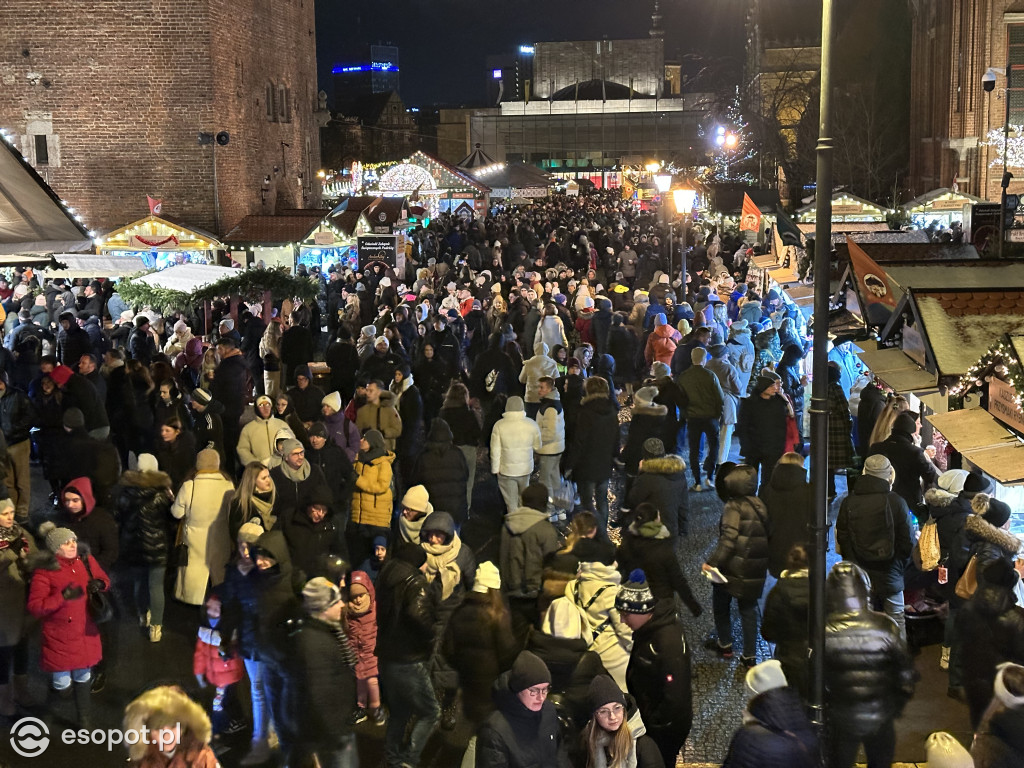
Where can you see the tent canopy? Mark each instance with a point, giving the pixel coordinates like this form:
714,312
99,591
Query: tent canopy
93,265
32,218
187,278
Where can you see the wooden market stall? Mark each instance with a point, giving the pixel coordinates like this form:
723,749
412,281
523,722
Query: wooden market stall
161,242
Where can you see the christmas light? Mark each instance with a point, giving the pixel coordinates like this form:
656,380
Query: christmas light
1014,147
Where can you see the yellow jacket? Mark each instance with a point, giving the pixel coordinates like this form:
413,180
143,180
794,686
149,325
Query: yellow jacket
372,501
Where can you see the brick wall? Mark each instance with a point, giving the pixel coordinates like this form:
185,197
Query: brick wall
121,90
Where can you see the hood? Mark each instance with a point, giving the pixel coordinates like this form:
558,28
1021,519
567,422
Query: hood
654,409
387,399
605,364
669,464
741,481
438,521
598,402
135,479
666,331
594,571
939,501
522,519
440,433
273,544
779,710
979,529
83,487
363,579
846,589
787,477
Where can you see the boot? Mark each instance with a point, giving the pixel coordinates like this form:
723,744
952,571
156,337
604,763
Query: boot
259,753
22,695
7,700
83,705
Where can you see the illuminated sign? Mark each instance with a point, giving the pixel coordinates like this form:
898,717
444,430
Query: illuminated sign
376,66
496,74
527,50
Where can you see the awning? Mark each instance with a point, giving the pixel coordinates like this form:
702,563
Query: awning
897,370
766,261
187,278
984,442
95,265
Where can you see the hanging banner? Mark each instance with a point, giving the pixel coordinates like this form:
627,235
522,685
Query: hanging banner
877,289
750,219
382,248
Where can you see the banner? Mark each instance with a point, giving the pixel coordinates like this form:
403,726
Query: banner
382,248
750,219
877,290
156,207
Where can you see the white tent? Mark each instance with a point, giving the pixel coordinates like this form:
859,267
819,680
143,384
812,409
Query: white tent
32,218
187,278
95,265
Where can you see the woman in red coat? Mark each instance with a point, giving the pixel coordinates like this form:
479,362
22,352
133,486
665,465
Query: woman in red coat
70,640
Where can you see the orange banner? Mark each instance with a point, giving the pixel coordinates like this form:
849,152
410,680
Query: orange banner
876,287
750,219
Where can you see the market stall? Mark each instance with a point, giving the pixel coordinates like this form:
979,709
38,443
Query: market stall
75,265
277,241
508,181
442,187
941,206
847,208
161,243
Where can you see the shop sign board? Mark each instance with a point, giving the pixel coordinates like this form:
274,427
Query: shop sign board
382,248
323,238
1002,403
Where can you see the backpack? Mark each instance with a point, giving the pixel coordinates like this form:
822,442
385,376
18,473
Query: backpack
863,525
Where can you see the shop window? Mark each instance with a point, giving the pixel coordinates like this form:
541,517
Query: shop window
42,152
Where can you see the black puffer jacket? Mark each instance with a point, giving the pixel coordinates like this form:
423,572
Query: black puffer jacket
442,470
662,482
950,512
785,624
405,614
869,675
647,421
325,685
653,550
788,499
142,507
742,551
861,525
515,737
595,440
658,674
778,734
761,426
276,597
911,465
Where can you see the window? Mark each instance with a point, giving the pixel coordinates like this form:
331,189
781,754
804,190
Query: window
284,97
1015,81
271,112
42,153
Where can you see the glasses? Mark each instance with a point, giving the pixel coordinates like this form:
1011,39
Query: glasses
541,692
612,711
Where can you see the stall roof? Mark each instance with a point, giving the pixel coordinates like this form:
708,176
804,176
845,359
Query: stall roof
897,370
984,442
933,276
95,265
160,223
910,253
187,278
851,228
274,230
32,217
843,204
942,192
513,176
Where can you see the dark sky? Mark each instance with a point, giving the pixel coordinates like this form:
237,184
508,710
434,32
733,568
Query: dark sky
443,43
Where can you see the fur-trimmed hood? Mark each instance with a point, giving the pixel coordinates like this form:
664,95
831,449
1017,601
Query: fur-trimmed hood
45,560
655,409
938,498
136,479
668,464
170,704
979,529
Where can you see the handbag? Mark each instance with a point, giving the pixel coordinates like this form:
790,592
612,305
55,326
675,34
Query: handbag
928,546
98,602
968,582
180,547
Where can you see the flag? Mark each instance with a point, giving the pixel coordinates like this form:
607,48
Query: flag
155,206
750,219
789,232
878,291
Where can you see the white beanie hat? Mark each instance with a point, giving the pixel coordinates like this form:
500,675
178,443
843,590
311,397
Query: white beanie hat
333,400
766,676
487,577
148,463
946,752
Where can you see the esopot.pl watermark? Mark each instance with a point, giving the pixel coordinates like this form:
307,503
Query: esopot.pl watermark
30,737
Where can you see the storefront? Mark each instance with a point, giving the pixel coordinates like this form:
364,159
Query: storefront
846,208
161,243
439,186
940,206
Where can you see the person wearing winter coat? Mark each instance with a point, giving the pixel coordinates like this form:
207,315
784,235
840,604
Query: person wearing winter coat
464,423
615,735
594,446
658,675
523,730
990,632
175,451
913,468
405,641
284,409
869,674
92,524
999,739
741,557
794,382
662,342
514,440
442,470
785,618
16,546
776,732
593,591
550,330
761,424
648,420
157,712
478,643
662,482
202,506
409,403
215,661
551,421
623,347
874,530
312,535
371,495
787,497
340,430
257,440
305,395
733,390
142,507
362,635
379,413
70,644
870,407
704,403
534,369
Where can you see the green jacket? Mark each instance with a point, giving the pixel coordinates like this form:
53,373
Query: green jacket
702,391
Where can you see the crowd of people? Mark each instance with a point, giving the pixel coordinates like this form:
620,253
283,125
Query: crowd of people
313,515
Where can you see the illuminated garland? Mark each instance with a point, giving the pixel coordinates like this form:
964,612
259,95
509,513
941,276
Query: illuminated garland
1000,360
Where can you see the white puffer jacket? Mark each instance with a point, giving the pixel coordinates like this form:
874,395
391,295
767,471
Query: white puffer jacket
552,427
536,368
513,442
594,592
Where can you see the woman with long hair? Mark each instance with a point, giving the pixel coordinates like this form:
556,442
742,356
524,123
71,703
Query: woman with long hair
270,354
254,499
284,409
175,451
140,387
615,737
465,426
894,406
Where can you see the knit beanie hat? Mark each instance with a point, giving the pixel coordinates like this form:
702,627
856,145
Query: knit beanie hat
411,553
148,463
207,460
418,500
333,400
201,396
952,480
660,369
317,429
487,577
264,399
515,404
1000,573
535,496
765,676
603,690
635,595
74,418
992,510
904,424
250,532
528,671
653,448
289,445
1009,694
319,594
660,319
56,537
644,397
880,467
977,483
944,751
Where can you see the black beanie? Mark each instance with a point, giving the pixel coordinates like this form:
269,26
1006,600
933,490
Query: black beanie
317,429
528,671
1000,573
411,553
74,418
904,424
603,690
998,513
536,496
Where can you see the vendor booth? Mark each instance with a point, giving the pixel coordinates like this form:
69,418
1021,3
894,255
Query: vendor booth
275,241
942,206
440,186
508,181
846,208
161,243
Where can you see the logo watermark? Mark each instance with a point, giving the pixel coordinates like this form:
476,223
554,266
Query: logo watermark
30,737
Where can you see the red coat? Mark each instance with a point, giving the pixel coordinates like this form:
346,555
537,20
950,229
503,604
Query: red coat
661,344
362,631
70,638
206,660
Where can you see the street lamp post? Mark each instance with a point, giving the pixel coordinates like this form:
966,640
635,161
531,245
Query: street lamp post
819,391
684,198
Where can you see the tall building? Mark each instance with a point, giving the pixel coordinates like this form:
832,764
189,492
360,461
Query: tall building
951,114
372,70
107,100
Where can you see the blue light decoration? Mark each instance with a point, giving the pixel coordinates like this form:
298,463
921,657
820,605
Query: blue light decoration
526,50
376,66
496,74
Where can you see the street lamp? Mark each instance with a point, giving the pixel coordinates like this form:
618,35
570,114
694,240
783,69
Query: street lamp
684,199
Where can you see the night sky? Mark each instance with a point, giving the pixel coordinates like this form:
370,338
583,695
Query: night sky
443,44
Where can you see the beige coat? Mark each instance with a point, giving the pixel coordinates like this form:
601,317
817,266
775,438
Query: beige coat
202,503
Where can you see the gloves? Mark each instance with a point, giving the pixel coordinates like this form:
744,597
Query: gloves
94,586
72,592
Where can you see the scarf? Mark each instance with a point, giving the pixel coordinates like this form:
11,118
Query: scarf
263,504
441,562
296,475
343,644
653,529
410,529
600,758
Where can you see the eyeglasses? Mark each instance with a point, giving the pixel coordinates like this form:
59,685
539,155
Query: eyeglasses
612,711
539,692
